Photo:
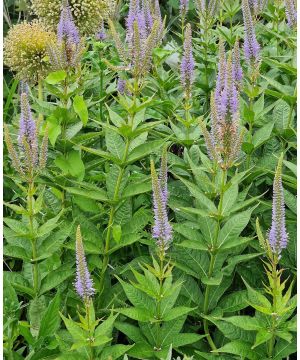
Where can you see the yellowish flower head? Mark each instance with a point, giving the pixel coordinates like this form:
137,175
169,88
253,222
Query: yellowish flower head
87,14
25,50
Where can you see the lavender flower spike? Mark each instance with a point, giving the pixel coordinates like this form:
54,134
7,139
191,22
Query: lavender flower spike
251,46
162,230
101,35
291,12
184,5
187,63
66,29
27,132
84,282
278,237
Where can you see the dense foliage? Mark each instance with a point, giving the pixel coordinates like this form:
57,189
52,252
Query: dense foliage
150,181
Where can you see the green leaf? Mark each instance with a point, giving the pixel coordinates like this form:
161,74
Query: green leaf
51,320
95,194
245,322
262,135
138,314
114,143
56,77
240,348
115,351
143,150
177,312
234,226
77,333
183,339
262,336
56,277
137,188
281,115
81,109
230,197
234,302
115,118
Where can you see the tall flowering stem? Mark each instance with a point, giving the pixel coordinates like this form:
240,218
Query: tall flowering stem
183,6
28,161
273,244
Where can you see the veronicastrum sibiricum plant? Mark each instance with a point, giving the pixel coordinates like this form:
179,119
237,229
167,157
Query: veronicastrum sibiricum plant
165,264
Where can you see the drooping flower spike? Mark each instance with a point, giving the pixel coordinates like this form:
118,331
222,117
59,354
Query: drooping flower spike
251,45
187,63
84,282
278,236
162,230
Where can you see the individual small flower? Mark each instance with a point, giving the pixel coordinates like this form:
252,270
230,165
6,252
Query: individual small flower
101,34
27,160
187,63
84,281
278,237
162,230
291,12
251,45
87,14
25,51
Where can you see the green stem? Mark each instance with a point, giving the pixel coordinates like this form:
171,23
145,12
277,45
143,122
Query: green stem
40,96
101,94
87,310
33,239
213,256
274,291
158,306
111,219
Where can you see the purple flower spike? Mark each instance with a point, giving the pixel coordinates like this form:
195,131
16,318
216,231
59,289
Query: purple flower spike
251,46
162,230
278,237
187,63
291,13
27,132
66,29
184,5
84,282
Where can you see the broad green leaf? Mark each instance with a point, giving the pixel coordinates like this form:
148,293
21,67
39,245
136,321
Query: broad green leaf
81,109
56,277
51,319
245,322
56,77
240,348
262,135
115,144
176,312
144,150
